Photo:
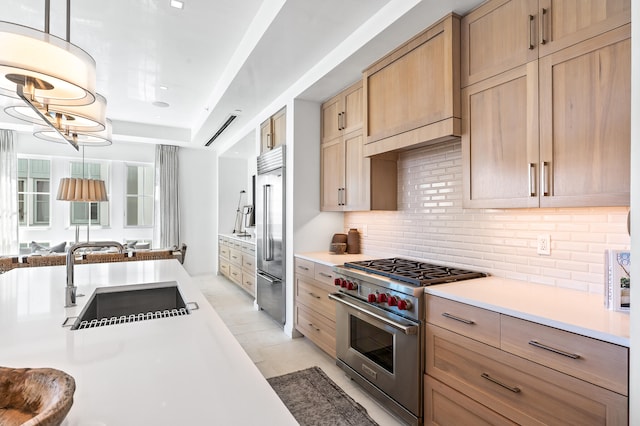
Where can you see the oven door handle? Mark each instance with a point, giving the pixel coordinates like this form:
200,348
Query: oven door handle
409,330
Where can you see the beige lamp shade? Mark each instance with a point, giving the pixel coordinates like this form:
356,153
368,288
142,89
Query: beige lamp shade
51,70
87,190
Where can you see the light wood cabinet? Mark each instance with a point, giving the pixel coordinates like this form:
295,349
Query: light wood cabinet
349,180
536,374
342,114
412,95
315,313
236,261
550,129
273,131
503,34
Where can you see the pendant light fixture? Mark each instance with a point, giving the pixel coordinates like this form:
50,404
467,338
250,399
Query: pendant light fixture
54,78
102,138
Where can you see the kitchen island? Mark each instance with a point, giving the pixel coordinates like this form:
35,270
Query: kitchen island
170,371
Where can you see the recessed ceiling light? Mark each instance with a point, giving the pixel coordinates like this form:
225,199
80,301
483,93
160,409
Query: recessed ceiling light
164,88
160,104
177,4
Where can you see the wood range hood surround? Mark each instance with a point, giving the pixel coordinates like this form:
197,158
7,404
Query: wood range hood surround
412,95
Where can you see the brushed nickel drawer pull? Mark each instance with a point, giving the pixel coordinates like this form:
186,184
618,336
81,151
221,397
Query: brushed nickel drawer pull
543,40
532,179
314,327
531,28
513,389
546,179
313,295
453,317
304,268
324,275
537,344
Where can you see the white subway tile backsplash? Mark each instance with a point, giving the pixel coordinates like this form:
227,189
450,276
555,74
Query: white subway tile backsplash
431,224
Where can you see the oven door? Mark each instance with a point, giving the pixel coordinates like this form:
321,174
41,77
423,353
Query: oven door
383,348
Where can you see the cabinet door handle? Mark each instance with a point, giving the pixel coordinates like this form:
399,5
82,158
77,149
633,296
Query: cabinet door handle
537,344
532,179
340,197
543,38
322,274
513,389
313,295
546,179
269,141
344,120
531,30
453,317
339,121
314,327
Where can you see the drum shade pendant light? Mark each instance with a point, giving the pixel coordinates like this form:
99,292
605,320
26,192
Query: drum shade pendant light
82,189
47,73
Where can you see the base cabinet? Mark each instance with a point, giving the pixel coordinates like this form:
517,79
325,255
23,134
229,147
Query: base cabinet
470,381
315,313
236,261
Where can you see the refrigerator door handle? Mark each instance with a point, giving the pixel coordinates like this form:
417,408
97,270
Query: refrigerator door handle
265,277
267,253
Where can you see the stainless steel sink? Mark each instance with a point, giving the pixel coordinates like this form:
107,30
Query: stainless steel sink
132,303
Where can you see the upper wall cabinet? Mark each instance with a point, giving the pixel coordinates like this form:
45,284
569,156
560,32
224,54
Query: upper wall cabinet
504,34
553,131
342,114
412,95
273,131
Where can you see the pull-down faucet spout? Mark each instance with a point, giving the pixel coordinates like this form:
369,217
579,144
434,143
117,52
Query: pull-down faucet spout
70,297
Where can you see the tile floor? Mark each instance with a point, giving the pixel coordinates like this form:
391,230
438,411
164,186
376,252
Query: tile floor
271,350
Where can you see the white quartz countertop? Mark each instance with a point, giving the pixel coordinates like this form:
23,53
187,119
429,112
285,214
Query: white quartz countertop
332,259
250,239
187,370
565,309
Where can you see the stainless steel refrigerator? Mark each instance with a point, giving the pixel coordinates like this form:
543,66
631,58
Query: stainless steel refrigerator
270,233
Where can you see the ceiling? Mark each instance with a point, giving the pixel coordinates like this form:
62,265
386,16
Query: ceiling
216,57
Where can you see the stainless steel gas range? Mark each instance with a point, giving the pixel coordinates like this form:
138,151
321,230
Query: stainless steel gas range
380,315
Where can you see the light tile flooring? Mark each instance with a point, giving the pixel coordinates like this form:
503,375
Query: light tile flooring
271,350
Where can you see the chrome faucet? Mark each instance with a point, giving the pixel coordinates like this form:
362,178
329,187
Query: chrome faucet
70,298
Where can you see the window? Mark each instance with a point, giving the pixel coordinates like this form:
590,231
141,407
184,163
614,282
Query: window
34,196
98,212
139,195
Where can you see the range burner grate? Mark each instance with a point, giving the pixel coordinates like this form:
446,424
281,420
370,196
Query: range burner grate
413,272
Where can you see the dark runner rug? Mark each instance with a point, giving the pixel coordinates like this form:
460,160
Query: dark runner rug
314,399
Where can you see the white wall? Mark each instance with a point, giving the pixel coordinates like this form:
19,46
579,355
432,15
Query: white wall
198,209
232,178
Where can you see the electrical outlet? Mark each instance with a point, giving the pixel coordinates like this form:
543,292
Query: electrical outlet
544,244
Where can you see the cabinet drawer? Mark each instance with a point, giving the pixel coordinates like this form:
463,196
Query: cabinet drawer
304,267
317,328
235,274
445,406
470,321
516,388
235,256
249,282
324,274
223,265
315,297
595,361
223,251
248,262
249,249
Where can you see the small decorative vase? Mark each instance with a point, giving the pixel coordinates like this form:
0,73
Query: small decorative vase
353,241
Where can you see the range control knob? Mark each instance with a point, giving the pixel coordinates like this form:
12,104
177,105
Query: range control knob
372,298
392,301
404,305
343,283
352,286
336,281
382,298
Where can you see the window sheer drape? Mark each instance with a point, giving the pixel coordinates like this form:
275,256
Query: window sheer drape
166,228
8,194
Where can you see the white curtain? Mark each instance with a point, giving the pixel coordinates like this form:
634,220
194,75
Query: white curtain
166,228
8,194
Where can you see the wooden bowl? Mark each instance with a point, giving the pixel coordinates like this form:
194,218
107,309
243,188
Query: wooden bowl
34,396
